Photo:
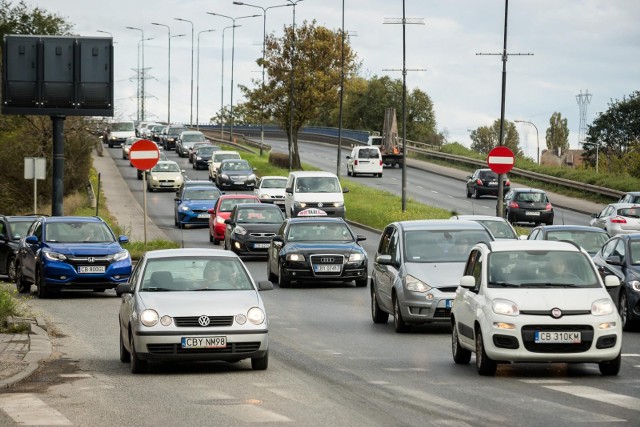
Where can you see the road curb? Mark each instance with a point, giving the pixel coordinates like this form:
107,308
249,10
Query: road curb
40,348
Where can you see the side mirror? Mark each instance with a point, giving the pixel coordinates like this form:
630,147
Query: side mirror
614,260
468,282
211,211
345,190
123,239
611,281
594,215
124,288
468,176
360,238
288,190
277,239
228,221
177,199
523,237
384,260
32,240
265,285
348,157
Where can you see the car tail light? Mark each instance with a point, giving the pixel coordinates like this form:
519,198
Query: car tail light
355,162
548,207
380,162
507,183
513,205
618,220
478,181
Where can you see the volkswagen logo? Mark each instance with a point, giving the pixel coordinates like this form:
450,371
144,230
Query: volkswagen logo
326,260
203,320
320,205
91,259
556,313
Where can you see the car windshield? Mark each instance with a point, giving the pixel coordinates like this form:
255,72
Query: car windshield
193,137
591,241
531,197
541,269
227,205
629,212
273,183
19,228
201,194
317,184
221,157
166,167
175,131
205,151
326,232
157,128
441,245
122,127
78,231
235,166
266,215
499,229
186,274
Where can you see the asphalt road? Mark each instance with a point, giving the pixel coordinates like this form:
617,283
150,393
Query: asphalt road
329,365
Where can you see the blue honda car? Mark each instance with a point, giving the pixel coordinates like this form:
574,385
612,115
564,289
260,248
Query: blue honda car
193,204
71,252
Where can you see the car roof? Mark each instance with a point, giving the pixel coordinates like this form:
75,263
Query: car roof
194,252
316,219
226,152
312,173
193,132
257,206
201,182
505,245
202,187
439,224
479,217
572,228
633,193
238,196
22,217
527,190
166,161
625,205
72,219
274,177
233,160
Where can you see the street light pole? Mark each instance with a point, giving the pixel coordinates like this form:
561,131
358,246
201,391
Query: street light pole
341,95
139,92
168,72
192,28
233,42
537,135
222,85
264,38
198,80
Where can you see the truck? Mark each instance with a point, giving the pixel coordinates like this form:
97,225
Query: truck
388,143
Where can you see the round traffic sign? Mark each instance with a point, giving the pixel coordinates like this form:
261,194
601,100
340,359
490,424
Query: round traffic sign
501,159
144,154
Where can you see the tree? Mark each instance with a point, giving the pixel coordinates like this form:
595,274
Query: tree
617,133
487,137
20,19
317,69
557,133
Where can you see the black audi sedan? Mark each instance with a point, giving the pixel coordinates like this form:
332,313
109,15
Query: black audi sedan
316,249
620,256
250,228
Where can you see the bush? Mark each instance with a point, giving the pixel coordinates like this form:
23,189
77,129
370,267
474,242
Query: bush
280,160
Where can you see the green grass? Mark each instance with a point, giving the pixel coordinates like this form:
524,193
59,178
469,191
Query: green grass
10,306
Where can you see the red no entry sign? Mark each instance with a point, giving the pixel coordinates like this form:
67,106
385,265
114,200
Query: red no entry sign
501,159
144,154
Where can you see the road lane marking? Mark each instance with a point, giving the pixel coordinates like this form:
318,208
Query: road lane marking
630,355
546,381
27,410
599,395
253,414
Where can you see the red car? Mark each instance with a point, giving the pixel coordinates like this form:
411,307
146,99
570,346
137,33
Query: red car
222,211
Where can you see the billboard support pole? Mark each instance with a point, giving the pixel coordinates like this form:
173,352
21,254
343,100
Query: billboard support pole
57,207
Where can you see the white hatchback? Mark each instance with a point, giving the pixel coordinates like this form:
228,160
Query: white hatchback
618,218
534,301
365,160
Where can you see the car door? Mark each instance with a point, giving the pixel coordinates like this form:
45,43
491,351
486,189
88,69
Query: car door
385,275
600,220
29,252
276,247
288,196
5,248
467,301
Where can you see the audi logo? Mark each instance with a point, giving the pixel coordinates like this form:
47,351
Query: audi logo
204,320
327,260
91,259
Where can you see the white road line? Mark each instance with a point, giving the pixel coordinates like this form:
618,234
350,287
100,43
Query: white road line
405,369
546,381
599,395
253,414
630,355
75,375
27,410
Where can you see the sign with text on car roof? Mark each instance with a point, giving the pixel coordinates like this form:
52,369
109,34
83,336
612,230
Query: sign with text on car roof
144,154
501,159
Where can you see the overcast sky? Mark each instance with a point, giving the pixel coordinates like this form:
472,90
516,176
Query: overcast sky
578,45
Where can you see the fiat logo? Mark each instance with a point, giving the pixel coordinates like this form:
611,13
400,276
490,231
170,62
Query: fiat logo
556,313
203,320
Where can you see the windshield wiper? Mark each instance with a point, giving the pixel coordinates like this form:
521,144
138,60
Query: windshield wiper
157,290
549,285
504,284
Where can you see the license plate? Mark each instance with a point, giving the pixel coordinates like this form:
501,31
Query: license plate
493,183
558,337
261,245
204,342
91,269
329,268
447,303
278,202
203,215
238,182
166,184
532,213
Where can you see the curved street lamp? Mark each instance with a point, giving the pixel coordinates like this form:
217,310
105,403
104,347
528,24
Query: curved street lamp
198,80
192,29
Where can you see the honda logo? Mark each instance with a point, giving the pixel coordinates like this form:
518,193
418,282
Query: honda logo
91,259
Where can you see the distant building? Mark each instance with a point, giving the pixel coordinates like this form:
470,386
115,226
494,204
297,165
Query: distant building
571,158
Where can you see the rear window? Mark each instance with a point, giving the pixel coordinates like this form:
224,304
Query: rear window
629,212
531,197
488,175
441,245
368,153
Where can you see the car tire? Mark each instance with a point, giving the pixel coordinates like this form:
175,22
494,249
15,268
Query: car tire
216,241
484,364
468,193
21,283
43,292
11,269
124,157
611,367
624,309
461,356
282,281
125,356
353,173
399,325
348,171
476,194
550,222
138,366
377,314
270,276
380,175
362,283
260,363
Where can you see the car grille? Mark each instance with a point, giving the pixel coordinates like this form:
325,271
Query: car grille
442,312
326,259
192,321
450,289
262,234
231,348
528,338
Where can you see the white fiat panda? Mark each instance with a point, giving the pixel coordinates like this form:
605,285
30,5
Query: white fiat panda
365,160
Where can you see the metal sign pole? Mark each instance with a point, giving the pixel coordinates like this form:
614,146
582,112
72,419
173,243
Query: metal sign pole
144,205
35,187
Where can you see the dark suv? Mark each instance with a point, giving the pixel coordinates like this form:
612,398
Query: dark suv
528,205
172,135
12,228
484,182
71,252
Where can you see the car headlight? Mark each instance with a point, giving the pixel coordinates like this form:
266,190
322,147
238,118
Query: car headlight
505,307
184,208
121,255
149,317
264,196
338,204
198,158
635,285
219,220
300,204
415,285
166,320
256,315
252,177
54,256
295,257
178,178
602,307
224,176
240,230
356,257
154,178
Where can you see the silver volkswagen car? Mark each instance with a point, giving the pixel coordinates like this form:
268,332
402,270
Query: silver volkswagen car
184,305
417,269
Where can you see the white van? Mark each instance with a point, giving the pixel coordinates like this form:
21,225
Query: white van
365,159
314,190
118,132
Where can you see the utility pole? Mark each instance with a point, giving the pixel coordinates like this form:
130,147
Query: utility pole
504,55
